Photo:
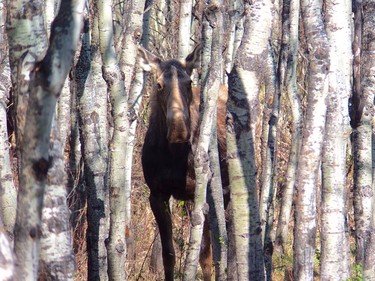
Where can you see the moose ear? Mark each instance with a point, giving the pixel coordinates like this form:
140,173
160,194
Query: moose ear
193,59
147,60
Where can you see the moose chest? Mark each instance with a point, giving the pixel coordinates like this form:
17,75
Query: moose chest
168,168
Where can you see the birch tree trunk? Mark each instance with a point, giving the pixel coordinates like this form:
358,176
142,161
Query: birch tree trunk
216,187
214,15
7,260
127,65
27,39
361,121
234,11
184,29
46,82
369,260
116,245
57,257
146,24
243,105
92,104
367,82
334,245
311,147
290,55
8,197
269,169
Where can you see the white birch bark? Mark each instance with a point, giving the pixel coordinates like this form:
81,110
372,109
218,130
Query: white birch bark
128,67
27,39
369,259
57,257
201,159
311,147
50,10
134,102
93,109
334,245
184,29
131,38
234,10
7,260
8,197
46,82
116,245
243,105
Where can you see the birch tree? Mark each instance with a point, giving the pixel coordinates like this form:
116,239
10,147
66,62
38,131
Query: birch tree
369,260
361,114
311,147
184,29
217,189
133,88
367,193
93,123
289,54
243,105
7,261
116,246
43,88
201,159
57,257
334,245
234,19
8,190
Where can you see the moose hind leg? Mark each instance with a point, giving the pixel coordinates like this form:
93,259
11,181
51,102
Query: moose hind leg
160,208
205,255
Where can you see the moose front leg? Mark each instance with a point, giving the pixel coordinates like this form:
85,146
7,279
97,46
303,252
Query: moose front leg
160,208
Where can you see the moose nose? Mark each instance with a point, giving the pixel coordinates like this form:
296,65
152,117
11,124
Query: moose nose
178,127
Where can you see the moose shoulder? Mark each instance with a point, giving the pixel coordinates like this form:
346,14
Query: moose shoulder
169,145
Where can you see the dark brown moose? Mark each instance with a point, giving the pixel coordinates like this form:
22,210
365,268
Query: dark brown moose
169,145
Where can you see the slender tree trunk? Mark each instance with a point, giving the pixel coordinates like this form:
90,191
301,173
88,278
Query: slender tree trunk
201,159
215,199
92,104
130,40
7,260
134,102
128,67
369,260
57,257
368,192
361,121
146,24
334,246
115,81
8,197
216,213
311,147
269,169
289,54
234,11
184,28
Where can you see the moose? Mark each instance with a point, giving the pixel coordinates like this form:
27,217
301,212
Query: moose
169,146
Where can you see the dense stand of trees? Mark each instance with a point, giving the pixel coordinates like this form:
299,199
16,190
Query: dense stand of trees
300,137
